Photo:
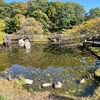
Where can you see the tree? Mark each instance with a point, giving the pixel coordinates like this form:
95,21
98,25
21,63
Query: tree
70,14
2,25
43,18
3,10
52,13
86,17
37,5
90,28
20,8
2,3
12,25
31,26
94,12
2,28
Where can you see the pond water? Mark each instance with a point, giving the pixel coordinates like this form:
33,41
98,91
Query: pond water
49,63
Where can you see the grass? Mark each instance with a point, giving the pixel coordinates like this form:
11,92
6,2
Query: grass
36,39
2,98
14,90
96,50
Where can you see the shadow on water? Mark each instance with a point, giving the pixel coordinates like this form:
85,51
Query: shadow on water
58,49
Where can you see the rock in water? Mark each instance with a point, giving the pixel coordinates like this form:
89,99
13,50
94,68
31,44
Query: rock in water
27,44
21,42
57,84
28,81
83,81
46,84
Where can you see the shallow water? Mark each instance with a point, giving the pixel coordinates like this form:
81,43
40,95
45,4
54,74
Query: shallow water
50,63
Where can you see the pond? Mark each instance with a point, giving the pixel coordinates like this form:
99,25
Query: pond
49,63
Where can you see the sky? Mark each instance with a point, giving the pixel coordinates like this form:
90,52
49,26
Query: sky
87,4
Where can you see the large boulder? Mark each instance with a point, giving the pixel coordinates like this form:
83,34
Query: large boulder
28,81
27,44
21,42
57,85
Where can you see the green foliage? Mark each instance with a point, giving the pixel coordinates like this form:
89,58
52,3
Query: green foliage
20,8
31,26
90,27
94,12
12,25
2,98
37,5
20,83
54,16
2,28
43,18
2,3
2,25
96,50
70,14
73,33
2,35
6,10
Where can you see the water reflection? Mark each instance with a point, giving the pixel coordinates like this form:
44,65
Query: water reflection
31,72
58,49
27,50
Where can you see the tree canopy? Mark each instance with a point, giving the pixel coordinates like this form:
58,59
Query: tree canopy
49,16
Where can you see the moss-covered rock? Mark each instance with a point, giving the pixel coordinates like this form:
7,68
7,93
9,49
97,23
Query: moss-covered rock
97,72
97,92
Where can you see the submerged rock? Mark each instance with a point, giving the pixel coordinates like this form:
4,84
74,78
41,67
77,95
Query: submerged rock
46,84
54,85
57,84
82,81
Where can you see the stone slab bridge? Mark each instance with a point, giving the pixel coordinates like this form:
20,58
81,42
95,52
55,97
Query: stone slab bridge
58,37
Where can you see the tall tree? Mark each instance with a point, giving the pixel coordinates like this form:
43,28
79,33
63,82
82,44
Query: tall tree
91,27
94,12
70,14
12,24
37,5
3,12
31,26
20,8
52,13
2,3
43,18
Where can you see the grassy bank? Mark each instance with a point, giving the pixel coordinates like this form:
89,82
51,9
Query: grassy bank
36,39
96,50
14,90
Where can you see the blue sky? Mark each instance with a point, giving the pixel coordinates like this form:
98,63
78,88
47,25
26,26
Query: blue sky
88,4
